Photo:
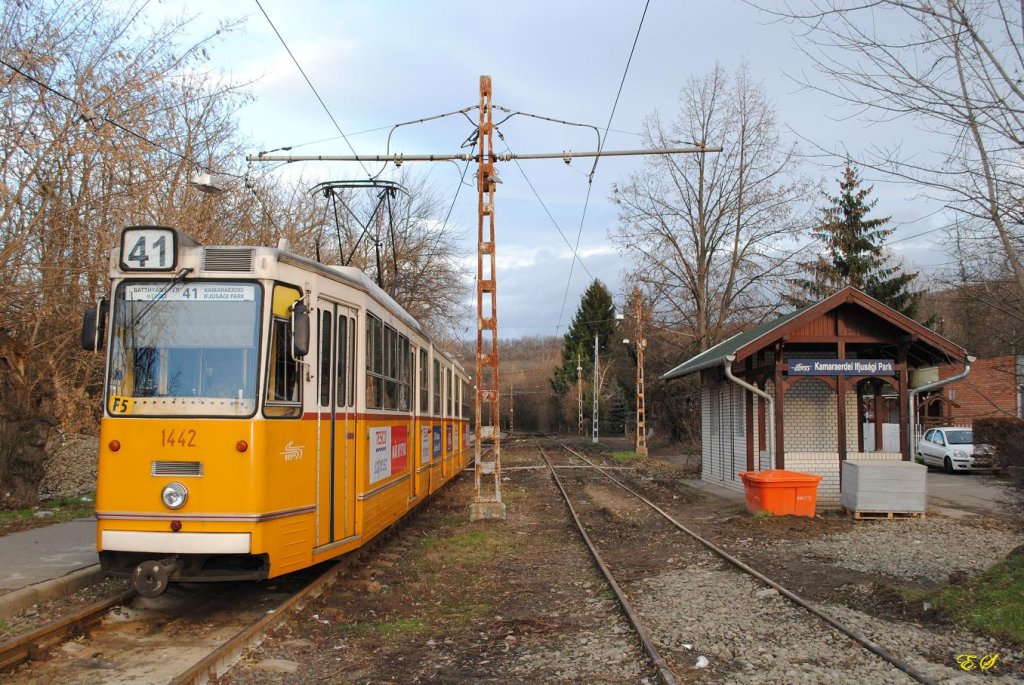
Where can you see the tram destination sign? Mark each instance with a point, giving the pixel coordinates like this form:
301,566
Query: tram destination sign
842,367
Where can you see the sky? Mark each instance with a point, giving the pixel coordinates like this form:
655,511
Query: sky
375,64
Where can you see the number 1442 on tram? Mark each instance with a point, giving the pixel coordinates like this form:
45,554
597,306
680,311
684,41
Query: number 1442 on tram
262,412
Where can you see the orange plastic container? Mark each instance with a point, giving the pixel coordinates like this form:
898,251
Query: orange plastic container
781,492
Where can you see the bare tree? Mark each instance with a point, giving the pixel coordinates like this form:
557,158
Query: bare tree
707,233
951,66
102,122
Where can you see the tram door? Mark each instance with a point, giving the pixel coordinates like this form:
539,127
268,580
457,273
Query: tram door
335,422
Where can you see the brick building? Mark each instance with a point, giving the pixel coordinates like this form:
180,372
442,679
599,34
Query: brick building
813,388
995,388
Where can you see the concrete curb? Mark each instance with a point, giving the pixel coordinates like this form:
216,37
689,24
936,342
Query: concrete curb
17,601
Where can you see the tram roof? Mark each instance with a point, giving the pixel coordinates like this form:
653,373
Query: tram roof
358,279
354,277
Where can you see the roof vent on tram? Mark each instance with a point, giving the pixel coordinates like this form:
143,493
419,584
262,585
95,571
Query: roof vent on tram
228,259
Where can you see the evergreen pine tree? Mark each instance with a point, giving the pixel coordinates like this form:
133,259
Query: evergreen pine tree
854,252
619,413
596,314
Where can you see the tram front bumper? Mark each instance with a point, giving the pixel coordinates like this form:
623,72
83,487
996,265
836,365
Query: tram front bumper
152,542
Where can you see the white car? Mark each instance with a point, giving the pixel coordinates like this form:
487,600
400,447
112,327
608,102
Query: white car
953,449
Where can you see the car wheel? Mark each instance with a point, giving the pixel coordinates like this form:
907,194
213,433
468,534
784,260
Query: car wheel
948,463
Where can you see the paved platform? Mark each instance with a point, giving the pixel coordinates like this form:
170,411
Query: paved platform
39,554
41,563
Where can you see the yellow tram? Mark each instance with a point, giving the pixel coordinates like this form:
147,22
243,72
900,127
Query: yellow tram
263,412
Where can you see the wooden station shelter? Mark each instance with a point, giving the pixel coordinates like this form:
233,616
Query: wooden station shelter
828,382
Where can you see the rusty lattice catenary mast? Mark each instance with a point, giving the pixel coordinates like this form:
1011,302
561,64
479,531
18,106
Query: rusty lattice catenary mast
487,500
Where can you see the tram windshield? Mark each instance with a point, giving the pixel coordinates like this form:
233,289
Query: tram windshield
187,349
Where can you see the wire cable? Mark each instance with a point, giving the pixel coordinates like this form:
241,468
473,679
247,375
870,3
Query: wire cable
600,147
312,87
558,228
113,123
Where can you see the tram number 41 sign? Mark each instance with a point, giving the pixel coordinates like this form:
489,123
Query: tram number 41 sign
149,249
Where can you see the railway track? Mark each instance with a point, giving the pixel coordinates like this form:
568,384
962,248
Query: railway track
580,481
189,637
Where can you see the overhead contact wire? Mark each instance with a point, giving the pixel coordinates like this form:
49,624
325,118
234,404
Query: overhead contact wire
558,228
601,143
311,86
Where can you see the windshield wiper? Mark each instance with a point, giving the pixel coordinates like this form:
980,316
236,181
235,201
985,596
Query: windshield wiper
178,278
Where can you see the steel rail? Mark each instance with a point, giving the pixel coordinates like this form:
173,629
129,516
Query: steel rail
24,647
861,639
220,660
666,675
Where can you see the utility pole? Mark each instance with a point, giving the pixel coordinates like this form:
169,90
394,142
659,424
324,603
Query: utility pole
579,389
486,505
641,410
597,363
487,502
511,408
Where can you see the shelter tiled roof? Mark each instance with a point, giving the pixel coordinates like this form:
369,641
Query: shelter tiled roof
745,343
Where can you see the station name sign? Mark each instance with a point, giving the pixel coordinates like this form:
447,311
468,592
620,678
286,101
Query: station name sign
842,367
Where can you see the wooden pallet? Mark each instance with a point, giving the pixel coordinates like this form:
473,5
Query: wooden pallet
878,515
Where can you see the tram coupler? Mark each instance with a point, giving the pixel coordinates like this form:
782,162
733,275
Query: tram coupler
151,578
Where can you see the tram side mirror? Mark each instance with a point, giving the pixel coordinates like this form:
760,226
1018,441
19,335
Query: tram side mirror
300,330
94,326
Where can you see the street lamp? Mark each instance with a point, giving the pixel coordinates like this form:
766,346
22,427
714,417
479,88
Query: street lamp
207,183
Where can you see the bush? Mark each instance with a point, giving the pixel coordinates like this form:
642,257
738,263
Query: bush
1006,435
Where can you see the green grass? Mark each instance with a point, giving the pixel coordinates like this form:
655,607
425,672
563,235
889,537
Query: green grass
471,540
624,457
992,602
63,508
384,627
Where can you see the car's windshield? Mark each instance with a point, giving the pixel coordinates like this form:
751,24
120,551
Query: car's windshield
190,349
961,437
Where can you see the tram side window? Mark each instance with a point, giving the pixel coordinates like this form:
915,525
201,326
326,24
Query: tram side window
284,387
325,359
424,382
465,400
404,374
389,361
340,368
437,387
374,362
448,391
351,361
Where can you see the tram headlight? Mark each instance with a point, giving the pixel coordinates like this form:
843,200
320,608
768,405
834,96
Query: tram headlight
174,495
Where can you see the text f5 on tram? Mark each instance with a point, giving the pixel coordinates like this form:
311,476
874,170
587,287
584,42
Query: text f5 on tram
263,412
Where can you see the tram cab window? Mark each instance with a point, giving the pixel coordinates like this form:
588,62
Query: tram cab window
186,348
284,374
